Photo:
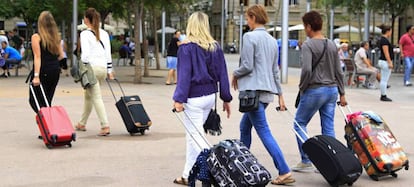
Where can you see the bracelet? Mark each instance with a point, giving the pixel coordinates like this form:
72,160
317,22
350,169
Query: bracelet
36,74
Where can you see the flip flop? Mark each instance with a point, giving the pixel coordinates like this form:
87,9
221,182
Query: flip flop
287,180
181,181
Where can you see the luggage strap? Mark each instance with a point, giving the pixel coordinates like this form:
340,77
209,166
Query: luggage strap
188,130
112,91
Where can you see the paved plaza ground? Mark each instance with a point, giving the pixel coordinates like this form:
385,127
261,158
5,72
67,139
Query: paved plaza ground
156,158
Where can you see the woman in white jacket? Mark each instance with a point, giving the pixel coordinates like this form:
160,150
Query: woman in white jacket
96,50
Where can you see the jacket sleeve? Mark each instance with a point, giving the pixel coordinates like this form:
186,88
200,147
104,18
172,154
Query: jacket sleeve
276,73
306,73
224,79
184,72
85,45
246,58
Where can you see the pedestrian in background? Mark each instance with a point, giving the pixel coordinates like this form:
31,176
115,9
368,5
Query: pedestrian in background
95,50
172,58
259,71
364,65
385,60
47,52
321,80
63,62
407,53
201,71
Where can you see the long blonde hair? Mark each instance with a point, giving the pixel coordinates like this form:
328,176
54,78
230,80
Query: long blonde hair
198,31
48,32
94,18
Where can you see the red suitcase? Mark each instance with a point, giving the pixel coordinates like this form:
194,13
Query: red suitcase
54,123
376,146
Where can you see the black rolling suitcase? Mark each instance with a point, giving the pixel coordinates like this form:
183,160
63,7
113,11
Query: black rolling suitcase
337,164
132,112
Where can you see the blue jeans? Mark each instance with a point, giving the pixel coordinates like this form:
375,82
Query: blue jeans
257,119
408,63
385,76
322,99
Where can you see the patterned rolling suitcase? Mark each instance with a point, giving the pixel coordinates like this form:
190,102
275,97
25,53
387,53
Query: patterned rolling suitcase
233,165
54,123
376,146
132,111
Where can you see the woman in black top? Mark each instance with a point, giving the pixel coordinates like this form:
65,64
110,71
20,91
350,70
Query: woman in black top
385,61
47,52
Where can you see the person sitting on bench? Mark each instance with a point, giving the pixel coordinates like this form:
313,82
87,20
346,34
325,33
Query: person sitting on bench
12,57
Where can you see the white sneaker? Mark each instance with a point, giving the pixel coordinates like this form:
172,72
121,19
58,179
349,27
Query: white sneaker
371,86
303,167
408,83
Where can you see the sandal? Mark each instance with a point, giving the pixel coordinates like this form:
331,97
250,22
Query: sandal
282,181
181,181
80,127
104,131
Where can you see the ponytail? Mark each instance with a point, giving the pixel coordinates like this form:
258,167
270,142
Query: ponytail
94,18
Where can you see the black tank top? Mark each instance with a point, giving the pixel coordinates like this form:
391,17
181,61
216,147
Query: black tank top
49,61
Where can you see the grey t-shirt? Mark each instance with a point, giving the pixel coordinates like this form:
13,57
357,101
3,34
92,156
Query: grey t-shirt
327,72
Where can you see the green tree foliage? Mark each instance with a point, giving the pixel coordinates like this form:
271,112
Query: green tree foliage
394,7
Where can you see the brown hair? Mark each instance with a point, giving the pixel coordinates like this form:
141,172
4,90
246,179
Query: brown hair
48,32
384,28
314,19
259,12
94,18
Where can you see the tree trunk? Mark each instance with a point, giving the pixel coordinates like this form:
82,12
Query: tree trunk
137,12
359,26
154,29
144,43
393,16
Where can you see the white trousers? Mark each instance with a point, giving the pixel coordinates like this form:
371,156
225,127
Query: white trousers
197,110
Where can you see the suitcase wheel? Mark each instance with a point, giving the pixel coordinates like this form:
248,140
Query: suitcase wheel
374,177
142,131
74,136
49,146
394,175
69,145
54,138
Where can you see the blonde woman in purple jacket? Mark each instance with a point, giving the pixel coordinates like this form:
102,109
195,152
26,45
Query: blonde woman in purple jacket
201,71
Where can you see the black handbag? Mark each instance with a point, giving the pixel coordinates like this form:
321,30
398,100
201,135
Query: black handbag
212,125
249,100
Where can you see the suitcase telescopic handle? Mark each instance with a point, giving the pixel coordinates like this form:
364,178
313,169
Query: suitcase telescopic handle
35,96
188,129
341,108
112,91
297,124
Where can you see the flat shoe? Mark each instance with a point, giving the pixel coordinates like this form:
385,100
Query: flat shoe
280,181
181,181
104,132
80,127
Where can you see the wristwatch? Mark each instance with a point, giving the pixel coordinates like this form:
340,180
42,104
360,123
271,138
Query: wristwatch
36,74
